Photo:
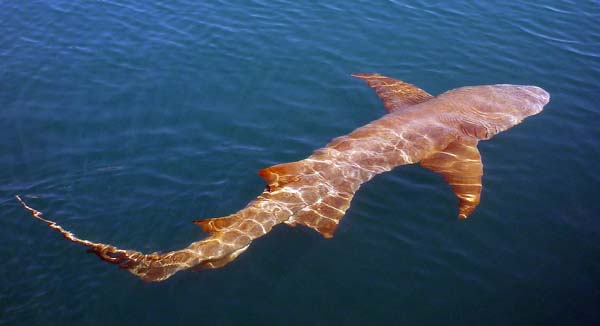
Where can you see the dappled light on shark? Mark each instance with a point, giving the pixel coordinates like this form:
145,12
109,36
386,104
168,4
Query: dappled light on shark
440,133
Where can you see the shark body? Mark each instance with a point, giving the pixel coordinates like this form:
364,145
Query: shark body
441,133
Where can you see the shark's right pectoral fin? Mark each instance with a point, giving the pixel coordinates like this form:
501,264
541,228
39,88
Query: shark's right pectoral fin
460,165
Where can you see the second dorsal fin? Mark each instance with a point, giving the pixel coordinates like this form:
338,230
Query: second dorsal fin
460,165
394,93
215,224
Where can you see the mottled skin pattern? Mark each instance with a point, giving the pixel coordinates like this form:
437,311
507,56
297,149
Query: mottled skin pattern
441,133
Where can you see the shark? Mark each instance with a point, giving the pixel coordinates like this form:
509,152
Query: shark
440,133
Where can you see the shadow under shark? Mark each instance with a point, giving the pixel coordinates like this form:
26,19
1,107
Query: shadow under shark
440,133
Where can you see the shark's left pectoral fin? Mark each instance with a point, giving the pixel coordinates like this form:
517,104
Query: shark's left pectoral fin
394,93
460,165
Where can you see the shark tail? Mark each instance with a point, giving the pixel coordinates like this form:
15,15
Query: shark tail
108,253
152,267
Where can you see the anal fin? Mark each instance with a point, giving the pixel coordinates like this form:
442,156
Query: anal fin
460,165
220,262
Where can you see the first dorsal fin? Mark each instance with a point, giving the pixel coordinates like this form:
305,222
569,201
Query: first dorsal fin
460,165
282,174
394,93
276,176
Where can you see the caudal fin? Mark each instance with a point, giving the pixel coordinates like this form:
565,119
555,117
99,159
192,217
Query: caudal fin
152,267
124,258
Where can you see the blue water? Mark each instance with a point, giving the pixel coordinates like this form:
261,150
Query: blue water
124,121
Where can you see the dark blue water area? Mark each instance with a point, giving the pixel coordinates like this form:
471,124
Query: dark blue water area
126,120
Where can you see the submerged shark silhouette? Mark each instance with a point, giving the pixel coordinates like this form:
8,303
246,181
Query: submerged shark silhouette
440,133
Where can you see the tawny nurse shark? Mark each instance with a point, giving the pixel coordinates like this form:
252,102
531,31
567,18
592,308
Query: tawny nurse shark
440,133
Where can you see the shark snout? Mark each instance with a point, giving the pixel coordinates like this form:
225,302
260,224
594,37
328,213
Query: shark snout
536,99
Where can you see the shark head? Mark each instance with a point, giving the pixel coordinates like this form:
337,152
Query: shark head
484,111
518,101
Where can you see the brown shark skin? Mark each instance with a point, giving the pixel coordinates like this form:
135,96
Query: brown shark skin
439,132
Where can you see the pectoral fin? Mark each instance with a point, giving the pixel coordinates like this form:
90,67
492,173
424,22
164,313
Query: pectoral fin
394,93
460,165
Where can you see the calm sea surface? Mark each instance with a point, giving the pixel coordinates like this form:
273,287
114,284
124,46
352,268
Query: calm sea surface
125,121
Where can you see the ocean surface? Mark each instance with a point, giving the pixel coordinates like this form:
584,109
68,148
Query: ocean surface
126,120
